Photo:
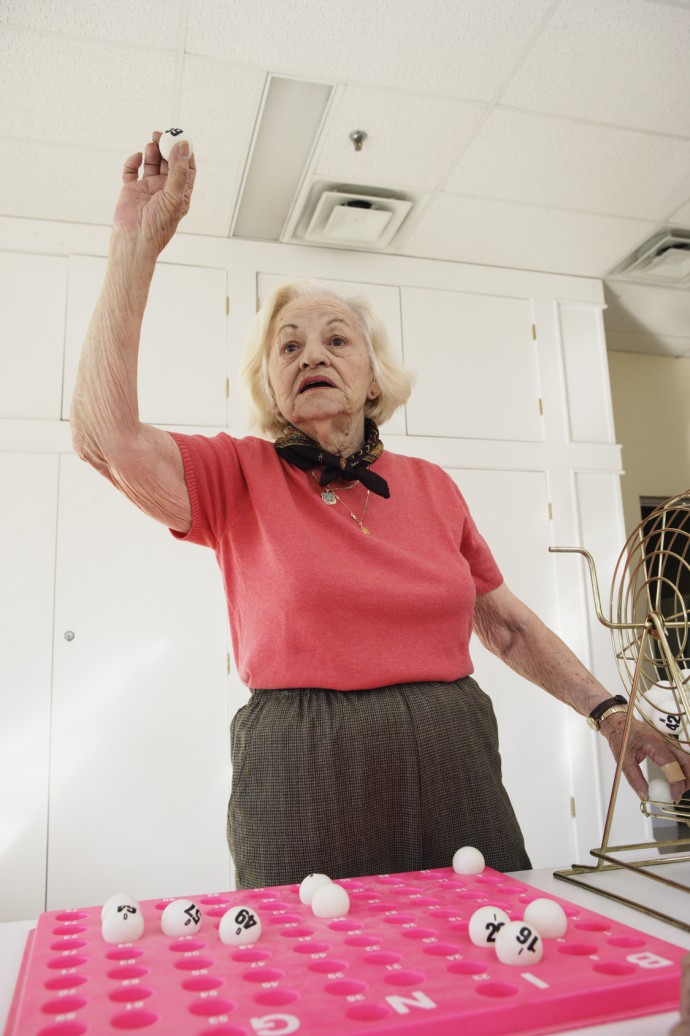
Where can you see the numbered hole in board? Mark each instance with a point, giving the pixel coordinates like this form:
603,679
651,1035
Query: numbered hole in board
130,994
212,1007
497,990
276,997
405,978
134,1020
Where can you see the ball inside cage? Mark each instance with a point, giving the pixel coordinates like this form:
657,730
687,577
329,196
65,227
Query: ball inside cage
650,607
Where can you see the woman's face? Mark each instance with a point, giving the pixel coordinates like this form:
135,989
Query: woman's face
318,362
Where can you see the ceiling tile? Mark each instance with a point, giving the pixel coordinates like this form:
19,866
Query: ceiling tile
213,200
412,140
219,104
86,93
67,193
496,233
155,23
573,165
616,61
681,215
463,49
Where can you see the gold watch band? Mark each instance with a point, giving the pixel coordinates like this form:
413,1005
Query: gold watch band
609,712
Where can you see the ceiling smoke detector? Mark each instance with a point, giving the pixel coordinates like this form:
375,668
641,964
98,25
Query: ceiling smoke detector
664,259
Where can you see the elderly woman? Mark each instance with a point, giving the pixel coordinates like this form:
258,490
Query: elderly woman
354,578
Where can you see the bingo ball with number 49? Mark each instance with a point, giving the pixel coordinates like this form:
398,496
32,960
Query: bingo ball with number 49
518,943
181,917
239,926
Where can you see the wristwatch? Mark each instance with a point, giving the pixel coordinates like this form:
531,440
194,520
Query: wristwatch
606,708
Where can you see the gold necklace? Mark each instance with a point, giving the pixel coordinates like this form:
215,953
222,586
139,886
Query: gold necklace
329,496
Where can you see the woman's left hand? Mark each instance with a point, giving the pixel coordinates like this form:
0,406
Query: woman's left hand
644,743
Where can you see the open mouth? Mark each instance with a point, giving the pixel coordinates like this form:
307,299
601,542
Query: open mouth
314,384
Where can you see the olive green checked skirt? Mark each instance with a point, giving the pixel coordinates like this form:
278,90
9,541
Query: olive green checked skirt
354,783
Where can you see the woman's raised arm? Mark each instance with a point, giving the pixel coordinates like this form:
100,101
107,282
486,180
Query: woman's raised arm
142,461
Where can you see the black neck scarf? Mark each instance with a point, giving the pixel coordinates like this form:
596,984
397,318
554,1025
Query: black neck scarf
297,448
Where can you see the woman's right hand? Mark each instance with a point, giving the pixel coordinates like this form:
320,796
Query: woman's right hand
150,208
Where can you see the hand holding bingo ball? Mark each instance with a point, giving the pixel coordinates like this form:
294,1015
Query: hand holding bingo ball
172,137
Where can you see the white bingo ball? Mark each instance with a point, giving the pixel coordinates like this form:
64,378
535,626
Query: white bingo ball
547,916
468,860
310,884
118,899
659,791
172,137
660,708
485,924
181,917
124,923
239,926
518,943
330,900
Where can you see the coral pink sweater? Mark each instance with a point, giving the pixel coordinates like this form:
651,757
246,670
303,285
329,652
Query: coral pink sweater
313,602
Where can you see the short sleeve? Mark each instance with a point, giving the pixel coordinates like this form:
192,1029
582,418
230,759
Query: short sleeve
215,483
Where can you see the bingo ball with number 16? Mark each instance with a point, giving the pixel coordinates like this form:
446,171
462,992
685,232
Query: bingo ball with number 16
239,926
518,943
172,137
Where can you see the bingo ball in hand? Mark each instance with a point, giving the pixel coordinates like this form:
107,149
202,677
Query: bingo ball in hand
172,137
123,923
239,926
659,791
181,917
518,943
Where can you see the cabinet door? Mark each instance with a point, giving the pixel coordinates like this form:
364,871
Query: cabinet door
385,300
32,303
477,365
510,509
183,355
140,743
27,568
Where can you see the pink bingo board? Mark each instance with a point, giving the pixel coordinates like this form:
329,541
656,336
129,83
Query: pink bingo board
400,964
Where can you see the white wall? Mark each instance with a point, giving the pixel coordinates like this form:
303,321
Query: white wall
651,406
117,683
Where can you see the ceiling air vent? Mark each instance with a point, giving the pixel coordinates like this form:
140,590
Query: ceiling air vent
352,218
663,260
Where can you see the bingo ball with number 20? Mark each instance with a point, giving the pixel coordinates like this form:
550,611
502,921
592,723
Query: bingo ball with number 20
518,943
239,926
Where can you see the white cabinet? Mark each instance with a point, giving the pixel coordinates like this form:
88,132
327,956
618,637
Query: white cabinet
510,509
588,392
183,356
27,568
477,365
140,720
32,303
